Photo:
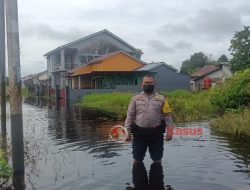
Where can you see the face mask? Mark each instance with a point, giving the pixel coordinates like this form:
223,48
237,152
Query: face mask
148,88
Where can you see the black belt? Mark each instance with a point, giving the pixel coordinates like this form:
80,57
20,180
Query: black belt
160,129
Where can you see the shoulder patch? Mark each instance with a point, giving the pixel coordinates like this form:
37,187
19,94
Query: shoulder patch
166,107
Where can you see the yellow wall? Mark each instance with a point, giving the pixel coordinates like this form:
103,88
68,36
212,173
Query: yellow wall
118,62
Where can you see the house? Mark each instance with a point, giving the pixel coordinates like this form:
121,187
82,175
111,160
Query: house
41,83
210,75
167,77
37,84
27,81
113,71
81,52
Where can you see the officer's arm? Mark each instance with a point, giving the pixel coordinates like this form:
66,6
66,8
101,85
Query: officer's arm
130,115
167,114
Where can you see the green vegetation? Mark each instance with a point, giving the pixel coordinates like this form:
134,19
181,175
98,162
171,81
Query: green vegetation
233,123
199,60
222,59
233,94
5,169
227,104
196,61
25,92
186,106
116,103
240,50
231,102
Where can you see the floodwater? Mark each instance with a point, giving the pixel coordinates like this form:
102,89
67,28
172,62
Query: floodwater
70,149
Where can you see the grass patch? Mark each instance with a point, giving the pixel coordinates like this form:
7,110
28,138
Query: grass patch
186,106
25,92
116,102
237,123
189,106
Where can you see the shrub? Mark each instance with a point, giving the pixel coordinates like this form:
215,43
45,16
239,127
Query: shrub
233,94
5,170
189,106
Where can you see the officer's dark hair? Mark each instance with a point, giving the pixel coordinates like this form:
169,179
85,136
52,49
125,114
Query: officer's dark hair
150,76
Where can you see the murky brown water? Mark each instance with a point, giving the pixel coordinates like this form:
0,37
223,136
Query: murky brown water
70,149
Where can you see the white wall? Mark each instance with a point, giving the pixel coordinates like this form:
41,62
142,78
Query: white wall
220,74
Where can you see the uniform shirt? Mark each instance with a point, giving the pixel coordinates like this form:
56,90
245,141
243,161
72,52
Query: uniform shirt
148,111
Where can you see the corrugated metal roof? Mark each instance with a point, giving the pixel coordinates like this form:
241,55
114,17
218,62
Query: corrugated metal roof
113,54
151,66
205,70
90,36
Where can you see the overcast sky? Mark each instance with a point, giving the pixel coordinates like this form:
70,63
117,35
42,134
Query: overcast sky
165,30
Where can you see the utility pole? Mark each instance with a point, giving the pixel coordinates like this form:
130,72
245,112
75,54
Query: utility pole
2,70
16,116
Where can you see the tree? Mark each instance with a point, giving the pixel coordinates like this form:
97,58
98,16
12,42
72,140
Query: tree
240,50
213,62
197,60
222,59
185,67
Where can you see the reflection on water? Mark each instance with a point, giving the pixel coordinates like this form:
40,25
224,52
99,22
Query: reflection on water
83,130
18,182
153,181
239,148
70,149
37,101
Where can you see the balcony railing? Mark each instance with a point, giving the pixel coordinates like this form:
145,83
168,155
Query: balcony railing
70,66
58,67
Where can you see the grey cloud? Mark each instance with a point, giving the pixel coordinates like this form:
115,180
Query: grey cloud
216,21
160,47
211,23
170,29
208,28
45,31
244,9
183,45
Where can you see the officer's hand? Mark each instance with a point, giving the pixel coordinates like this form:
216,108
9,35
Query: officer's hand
168,137
128,137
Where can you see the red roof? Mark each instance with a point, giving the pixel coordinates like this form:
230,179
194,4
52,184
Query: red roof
204,71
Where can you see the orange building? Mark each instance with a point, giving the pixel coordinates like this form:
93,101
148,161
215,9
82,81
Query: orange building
107,72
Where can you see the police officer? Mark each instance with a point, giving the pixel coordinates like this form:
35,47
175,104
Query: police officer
148,115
